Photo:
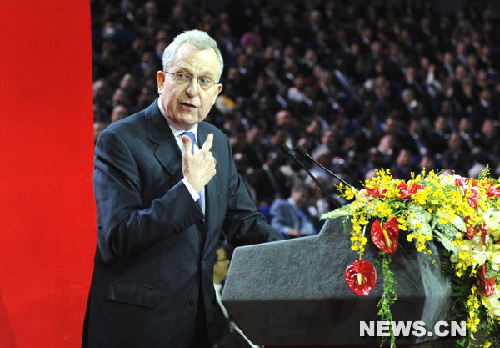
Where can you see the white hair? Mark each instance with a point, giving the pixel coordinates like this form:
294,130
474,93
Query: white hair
197,38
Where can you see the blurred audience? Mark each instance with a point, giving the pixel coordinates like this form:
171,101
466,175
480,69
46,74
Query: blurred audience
392,86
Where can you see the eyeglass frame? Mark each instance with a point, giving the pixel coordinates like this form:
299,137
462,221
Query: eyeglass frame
178,80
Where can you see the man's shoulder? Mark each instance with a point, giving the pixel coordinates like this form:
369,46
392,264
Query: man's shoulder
129,125
133,123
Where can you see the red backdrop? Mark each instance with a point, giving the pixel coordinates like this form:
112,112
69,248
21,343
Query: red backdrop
47,213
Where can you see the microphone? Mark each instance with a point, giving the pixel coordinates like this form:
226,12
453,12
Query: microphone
303,152
287,151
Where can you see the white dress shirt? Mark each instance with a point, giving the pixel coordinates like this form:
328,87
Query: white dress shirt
178,138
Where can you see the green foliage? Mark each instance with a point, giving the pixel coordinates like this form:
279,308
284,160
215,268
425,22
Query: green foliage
389,295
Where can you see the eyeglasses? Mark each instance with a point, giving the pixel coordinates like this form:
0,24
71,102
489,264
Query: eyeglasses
183,78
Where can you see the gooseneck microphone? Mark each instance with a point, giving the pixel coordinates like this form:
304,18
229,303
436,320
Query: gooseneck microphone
303,152
287,151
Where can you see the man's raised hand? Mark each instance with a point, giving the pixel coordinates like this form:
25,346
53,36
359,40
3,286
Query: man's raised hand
198,168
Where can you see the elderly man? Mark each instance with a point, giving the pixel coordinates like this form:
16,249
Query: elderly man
166,187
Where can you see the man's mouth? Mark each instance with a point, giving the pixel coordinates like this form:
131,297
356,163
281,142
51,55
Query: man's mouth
188,105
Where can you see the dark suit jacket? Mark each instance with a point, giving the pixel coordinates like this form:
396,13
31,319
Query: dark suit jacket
155,248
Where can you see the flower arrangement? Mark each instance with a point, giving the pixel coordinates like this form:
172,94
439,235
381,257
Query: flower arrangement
462,214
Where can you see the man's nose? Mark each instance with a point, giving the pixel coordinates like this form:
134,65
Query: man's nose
193,86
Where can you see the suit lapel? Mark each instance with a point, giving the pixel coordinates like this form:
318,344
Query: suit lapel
170,157
159,133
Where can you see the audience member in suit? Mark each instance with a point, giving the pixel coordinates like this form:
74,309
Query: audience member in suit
269,182
437,137
290,216
403,167
254,149
455,157
241,162
163,200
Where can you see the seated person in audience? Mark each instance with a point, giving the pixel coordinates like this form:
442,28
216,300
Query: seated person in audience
269,182
403,167
455,157
290,216
119,113
225,332
99,126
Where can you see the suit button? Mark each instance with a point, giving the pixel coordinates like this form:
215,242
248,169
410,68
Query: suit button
192,302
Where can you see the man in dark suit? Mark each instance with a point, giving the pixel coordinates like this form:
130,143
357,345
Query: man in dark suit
162,204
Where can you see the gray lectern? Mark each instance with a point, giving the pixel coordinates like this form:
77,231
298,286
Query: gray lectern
293,293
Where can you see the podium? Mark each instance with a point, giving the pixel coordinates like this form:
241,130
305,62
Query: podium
292,293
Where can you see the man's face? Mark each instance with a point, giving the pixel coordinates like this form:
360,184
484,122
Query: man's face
301,198
189,104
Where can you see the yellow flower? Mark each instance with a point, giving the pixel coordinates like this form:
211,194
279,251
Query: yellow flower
440,211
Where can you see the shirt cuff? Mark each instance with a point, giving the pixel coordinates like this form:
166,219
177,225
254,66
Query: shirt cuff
191,190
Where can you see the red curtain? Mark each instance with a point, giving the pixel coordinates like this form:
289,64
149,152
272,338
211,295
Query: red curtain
47,213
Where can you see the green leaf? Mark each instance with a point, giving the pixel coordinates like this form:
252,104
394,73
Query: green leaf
445,241
343,211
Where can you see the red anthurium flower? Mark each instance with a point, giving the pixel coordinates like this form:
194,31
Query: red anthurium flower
469,186
460,183
386,238
377,192
466,183
492,190
471,230
473,198
487,283
360,277
406,191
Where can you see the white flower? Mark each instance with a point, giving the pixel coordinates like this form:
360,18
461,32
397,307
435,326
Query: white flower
492,219
449,179
493,255
471,250
476,249
494,304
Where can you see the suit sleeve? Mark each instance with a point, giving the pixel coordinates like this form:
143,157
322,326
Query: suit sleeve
244,224
125,225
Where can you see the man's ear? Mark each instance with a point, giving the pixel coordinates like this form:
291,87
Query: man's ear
219,89
160,81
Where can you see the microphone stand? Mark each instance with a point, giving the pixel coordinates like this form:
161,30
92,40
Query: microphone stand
303,152
287,151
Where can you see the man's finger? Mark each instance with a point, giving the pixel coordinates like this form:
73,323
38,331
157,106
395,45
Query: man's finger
187,145
208,143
